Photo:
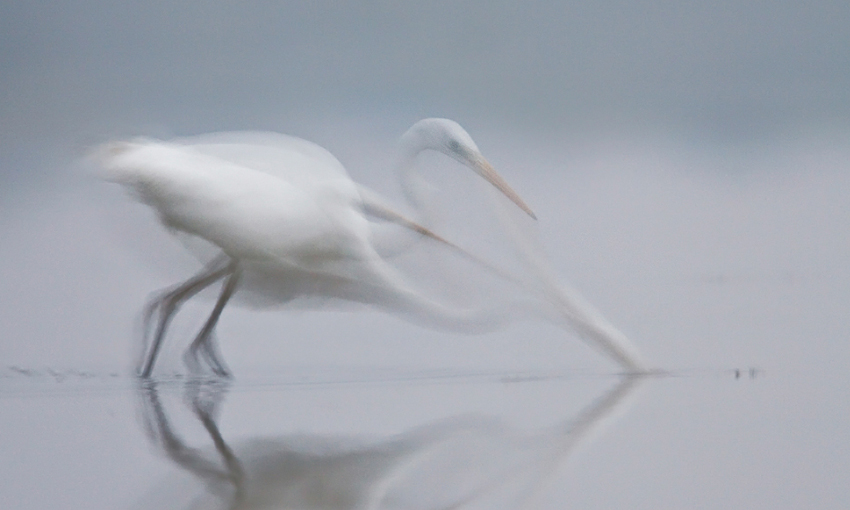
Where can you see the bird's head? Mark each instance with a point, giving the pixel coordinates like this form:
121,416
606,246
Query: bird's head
448,137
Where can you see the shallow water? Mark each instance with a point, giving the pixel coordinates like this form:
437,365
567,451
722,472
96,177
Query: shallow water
389,438
734,283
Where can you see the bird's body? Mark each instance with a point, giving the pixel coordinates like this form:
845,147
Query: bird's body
286,216
252,215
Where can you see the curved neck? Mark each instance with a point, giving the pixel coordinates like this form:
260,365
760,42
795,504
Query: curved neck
414,187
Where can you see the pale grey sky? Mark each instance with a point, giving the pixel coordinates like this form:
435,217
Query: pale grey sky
709,75
726,69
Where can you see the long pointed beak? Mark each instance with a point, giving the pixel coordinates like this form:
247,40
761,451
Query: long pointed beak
485,170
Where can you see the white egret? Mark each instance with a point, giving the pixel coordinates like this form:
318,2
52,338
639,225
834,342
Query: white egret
285,214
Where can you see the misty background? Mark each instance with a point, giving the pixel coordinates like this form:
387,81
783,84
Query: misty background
688,163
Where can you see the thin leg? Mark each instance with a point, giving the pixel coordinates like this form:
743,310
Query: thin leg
170,303
205,342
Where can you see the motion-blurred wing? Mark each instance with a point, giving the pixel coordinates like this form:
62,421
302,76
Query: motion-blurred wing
297,161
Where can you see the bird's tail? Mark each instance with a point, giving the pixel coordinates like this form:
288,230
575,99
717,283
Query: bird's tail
110,160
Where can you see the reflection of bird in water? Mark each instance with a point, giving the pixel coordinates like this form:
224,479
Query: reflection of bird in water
455,463
285,213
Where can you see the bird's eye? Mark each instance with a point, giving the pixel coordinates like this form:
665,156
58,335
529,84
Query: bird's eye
456,147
